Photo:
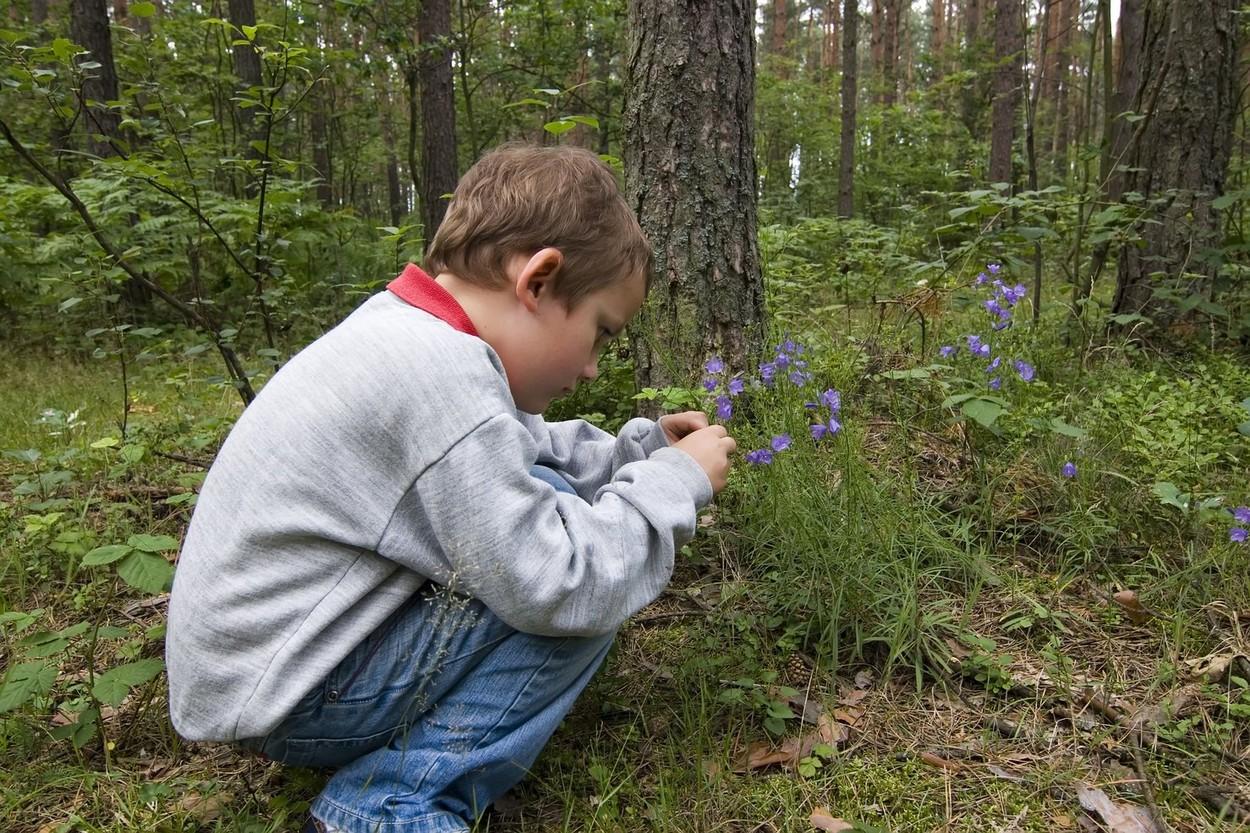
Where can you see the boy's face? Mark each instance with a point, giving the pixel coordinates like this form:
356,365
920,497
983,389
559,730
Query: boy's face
554,347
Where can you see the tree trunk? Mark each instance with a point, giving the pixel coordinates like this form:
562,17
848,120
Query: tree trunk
38,11
1128,89
89,28
438,114
937,38
322,164
846,165
396,203
1008,46
690,175
1182,155
246,66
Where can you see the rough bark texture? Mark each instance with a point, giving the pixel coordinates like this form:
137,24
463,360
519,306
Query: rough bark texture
937,38
1128,88
89,28
246,62
1008,49
850,78
690,176
1191,49
438,114
321,156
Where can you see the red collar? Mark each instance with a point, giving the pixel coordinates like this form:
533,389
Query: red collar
423,292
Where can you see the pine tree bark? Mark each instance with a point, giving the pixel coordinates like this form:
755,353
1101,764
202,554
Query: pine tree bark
850,83
438,114
1008,49
246,65
690,175
89,28
1181,160
937,38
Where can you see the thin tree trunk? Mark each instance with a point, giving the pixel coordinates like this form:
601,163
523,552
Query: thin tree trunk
846,164
438,114
89,28
1008,42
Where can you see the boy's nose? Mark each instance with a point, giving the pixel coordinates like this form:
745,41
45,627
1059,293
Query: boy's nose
591,370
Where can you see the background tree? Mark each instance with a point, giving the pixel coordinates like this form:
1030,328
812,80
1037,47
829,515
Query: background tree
89,28
1008,46
690,175
1180,162
438,113
846,166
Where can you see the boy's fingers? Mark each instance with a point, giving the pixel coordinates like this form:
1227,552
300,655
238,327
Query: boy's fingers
717,430
731,445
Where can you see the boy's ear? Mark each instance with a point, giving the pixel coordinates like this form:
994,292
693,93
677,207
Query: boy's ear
538,276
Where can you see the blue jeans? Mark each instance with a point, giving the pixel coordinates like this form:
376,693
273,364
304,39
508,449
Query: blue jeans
435,715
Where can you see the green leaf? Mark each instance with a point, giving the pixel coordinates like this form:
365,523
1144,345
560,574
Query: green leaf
559,126
64,48
955,399
909,373
24,681
106,554
249,32
589,121
106,442
81,731
982,410
961,211
44,644
153,543
1060,427
143,9
113,685
1169,495
1244,429
69,303
146,572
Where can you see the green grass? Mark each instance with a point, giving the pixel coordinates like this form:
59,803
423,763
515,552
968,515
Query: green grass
876,551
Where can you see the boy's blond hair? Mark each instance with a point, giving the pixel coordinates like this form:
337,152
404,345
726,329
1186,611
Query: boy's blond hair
521,198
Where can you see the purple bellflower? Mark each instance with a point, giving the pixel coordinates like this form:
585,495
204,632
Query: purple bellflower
724,408
1069,469
714,365
1025,370
761,457
1242,515
736,386
1238,535
948,351
781,442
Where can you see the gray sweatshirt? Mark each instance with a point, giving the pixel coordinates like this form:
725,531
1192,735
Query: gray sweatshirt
386,453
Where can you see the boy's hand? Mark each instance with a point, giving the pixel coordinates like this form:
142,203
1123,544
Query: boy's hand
710,447
680,425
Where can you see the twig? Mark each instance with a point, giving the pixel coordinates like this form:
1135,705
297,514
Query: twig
178,458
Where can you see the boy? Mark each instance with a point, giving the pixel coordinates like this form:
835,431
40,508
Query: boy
395,567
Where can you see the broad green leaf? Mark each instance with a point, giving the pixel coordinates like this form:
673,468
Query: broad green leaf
1170,495
146,572
559,126
909,373
589,121
106,442
249,32
64,48
106,554
44,644
111,632
957,398
1060,427
153,543
982,410
143,9
113,685
69,303
81,731
961,211
24,681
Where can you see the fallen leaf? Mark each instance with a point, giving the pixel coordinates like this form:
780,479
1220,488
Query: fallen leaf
794,749
935,760
853,697
1002,773
809,711
1118,816
850,715
1211,668
206,807
1062,821
1132,606
863,679
1170,707
821,820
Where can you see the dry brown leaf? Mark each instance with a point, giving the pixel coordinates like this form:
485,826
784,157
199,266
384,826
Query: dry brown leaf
1170,707
792,750
1062,821
850,715
853,697
1118,816
935,760
1211,668
863,679
821,820
1002,773
206,807
809,711
1132,606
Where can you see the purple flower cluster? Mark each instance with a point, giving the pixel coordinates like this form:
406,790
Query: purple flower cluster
787,363
716,381
832,400
1239,534
1068,470
1001,306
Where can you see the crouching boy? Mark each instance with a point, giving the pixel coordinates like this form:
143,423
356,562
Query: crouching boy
396,569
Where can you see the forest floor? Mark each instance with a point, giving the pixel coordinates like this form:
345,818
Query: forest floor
1065,703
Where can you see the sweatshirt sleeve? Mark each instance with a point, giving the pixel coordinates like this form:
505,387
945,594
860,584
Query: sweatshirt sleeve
545,562
589,456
